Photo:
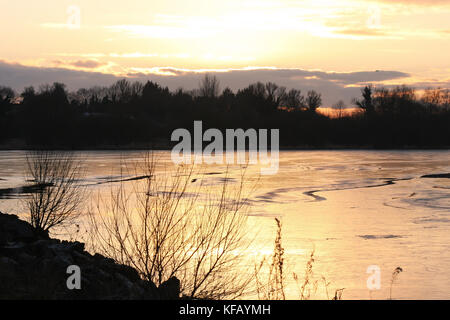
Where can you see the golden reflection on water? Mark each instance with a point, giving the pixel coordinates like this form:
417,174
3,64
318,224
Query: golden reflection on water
353,208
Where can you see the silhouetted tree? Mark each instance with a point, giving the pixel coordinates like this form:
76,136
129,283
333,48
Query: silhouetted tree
227,98
271,90
399,100
28,93
294,100
209,86
436,98
6,100
339,108
120,91
366,102
313,100
59,194
136,113
6,94
58,94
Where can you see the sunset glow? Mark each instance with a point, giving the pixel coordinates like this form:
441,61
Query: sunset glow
204,154
143,37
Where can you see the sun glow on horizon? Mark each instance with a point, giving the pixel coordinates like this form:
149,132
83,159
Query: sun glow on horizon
166,38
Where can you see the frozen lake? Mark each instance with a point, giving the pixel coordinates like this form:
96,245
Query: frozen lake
355,208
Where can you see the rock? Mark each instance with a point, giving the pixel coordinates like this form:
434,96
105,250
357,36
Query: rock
7,265
170,289
33,266
13,229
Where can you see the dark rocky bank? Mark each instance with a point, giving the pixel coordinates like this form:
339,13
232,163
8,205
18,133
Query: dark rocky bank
35,267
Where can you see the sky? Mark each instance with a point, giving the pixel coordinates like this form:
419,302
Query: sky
334,47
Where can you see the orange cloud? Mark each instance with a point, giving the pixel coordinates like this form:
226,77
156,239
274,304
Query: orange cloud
362,32
88,64
416,2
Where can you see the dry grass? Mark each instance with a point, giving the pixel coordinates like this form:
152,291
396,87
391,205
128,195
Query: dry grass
273,286
394,277
309,285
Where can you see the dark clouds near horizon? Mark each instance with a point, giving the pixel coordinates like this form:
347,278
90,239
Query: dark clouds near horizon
332,85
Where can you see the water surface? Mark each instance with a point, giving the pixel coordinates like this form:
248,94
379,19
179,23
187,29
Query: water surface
354,208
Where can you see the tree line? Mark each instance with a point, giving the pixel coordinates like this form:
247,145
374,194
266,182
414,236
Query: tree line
145,114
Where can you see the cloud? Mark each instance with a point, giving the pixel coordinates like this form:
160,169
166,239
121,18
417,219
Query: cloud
51,25
365,32
133,55
88,64
69,26
161,31
334,86
82,64
19,76
416,2
126,55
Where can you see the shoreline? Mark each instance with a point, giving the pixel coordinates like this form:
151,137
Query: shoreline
282,148
165,145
